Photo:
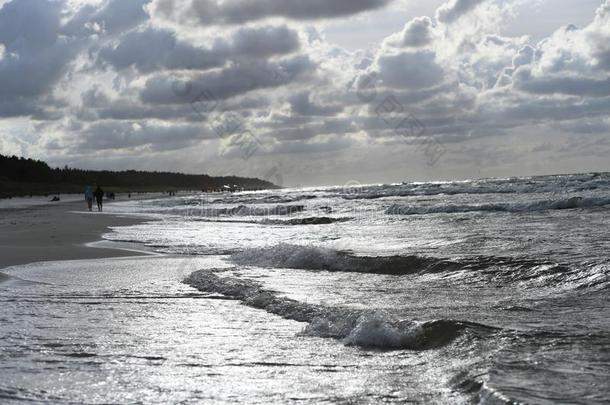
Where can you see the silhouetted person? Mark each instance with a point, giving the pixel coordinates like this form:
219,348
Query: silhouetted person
89,197
99,197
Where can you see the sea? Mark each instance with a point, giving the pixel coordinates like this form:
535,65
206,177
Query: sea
490,291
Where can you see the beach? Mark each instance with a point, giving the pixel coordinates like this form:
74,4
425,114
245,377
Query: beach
55,231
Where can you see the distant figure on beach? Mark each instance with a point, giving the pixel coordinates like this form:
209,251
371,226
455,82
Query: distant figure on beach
99,197
89,197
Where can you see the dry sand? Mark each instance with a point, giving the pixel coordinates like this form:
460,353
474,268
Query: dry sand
55,232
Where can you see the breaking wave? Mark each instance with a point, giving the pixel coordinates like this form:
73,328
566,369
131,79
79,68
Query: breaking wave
304,221
541,205
369,329
245,211
319,258
539,184
266,199
484,269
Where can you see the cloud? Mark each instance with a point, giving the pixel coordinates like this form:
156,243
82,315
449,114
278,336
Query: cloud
239,78
301,104
454,9
241,11
417,32
263,41
34,56
413,70
111,17
598,34
29,23
575,86
133,49
109,135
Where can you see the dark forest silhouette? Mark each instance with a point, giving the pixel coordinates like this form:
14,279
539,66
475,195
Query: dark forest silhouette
21,176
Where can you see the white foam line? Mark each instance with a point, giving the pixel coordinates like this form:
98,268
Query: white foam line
129,247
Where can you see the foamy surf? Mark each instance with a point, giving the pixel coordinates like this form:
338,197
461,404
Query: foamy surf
526,272
320,258
368,329
540,205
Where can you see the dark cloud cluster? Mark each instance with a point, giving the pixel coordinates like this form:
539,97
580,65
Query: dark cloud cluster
242,11
34,56
237,79
301,104
134,49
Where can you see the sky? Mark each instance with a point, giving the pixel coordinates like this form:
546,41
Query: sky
314,92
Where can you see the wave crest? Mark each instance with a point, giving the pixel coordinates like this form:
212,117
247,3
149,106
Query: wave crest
243,211
369,329
305,221
480,269
318,258
541,205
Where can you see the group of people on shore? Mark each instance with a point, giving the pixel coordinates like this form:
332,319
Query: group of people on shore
98,194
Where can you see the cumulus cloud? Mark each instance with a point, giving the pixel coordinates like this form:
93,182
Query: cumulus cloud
116,135
237,79
571,62
454,9
241,11
417,32
599,36
111,17
133,49
301,104
34,55
413,70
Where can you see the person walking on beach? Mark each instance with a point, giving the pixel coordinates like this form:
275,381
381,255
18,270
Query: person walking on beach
99,197
89,197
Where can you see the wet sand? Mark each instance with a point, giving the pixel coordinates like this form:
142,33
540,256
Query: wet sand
56,231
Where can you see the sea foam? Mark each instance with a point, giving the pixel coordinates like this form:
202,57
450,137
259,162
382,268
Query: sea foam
370,329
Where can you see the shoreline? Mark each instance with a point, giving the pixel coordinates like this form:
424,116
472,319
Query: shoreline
59,231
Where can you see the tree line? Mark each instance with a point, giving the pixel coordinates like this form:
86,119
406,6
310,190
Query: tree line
17,173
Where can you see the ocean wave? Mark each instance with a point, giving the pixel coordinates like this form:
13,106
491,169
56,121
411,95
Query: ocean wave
479,269
267,199
243,211
319,258
305,221
368,329
540,205
524,185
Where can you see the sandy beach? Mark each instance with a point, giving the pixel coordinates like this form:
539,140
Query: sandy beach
55,231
